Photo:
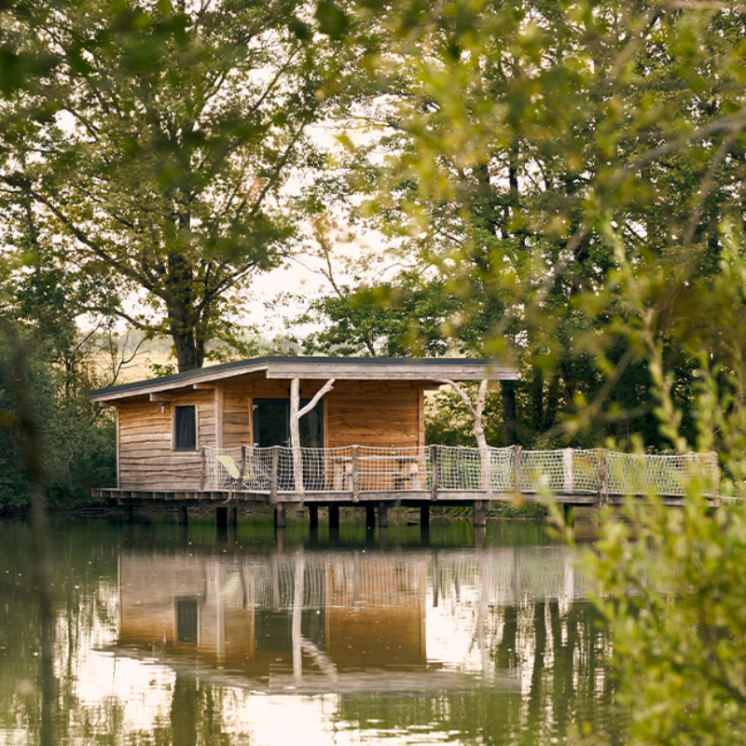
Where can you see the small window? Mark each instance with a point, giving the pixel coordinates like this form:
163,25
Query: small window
185,428
187,620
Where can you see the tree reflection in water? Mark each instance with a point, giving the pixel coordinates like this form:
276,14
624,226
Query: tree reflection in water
202,644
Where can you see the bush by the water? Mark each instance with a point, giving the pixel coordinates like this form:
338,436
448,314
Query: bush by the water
78,440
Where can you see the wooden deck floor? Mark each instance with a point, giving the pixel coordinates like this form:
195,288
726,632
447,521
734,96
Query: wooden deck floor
392,499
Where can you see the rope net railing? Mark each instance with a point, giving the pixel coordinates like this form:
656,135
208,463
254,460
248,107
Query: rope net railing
569,471
361,469
662,475
460,468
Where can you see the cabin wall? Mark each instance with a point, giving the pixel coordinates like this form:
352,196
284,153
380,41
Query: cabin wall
147,460
367,413
237,424
382,414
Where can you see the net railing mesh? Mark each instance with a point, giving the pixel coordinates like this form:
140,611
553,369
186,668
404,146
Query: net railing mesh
569,471
662,475
458,469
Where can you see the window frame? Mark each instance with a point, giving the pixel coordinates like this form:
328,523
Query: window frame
174,445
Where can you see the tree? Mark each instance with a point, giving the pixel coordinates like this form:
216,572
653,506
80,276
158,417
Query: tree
523,142
156,155
610,139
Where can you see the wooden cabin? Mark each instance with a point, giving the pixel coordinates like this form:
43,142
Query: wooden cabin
164,425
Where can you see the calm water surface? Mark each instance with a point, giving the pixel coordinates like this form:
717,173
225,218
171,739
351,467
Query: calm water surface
168,637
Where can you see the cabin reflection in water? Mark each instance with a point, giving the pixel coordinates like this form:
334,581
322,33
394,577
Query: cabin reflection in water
275,616
325,621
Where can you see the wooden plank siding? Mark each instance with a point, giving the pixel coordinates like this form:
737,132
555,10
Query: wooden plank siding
368,413
237,420
146,456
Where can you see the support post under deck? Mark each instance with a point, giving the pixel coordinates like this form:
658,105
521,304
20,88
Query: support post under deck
370,516
383,515
221,515
480,516
232,517
280,515
425,516
313,515
568,513
334,516
183,515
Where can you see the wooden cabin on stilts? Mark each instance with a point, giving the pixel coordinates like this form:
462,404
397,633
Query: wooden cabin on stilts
322,431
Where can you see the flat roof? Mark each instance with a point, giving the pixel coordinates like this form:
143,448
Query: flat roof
322,368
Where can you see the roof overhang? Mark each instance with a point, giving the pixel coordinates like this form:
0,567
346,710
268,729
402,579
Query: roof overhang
431,370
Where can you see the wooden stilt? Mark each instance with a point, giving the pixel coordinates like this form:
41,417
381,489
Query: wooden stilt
232,517
425,516
383,516
313,515
128,513
183,515
480,517
280,515
221,514
370,516
568,513
334,516
480,534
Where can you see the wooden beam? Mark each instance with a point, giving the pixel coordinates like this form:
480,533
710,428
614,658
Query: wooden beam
161,396
219,408
397,370
435,481
204,386
295,434
355,474
273,481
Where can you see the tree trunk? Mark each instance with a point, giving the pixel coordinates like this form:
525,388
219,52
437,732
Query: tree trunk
537,400
507,389
295,434
189,342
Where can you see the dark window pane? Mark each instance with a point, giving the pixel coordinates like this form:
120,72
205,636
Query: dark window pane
186,429
187,619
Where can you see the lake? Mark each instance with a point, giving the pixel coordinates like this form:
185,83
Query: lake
207,636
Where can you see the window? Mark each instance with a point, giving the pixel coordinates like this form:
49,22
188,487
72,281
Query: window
185,428
187,619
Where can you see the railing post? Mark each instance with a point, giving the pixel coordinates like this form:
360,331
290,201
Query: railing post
435,481
242,468
355,474
517,468
568,478
712,459
275,468
603,477
203,474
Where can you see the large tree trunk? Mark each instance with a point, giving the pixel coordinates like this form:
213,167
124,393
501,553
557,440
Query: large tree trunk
189,356
189,343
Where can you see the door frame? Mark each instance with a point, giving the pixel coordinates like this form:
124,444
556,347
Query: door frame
256,419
